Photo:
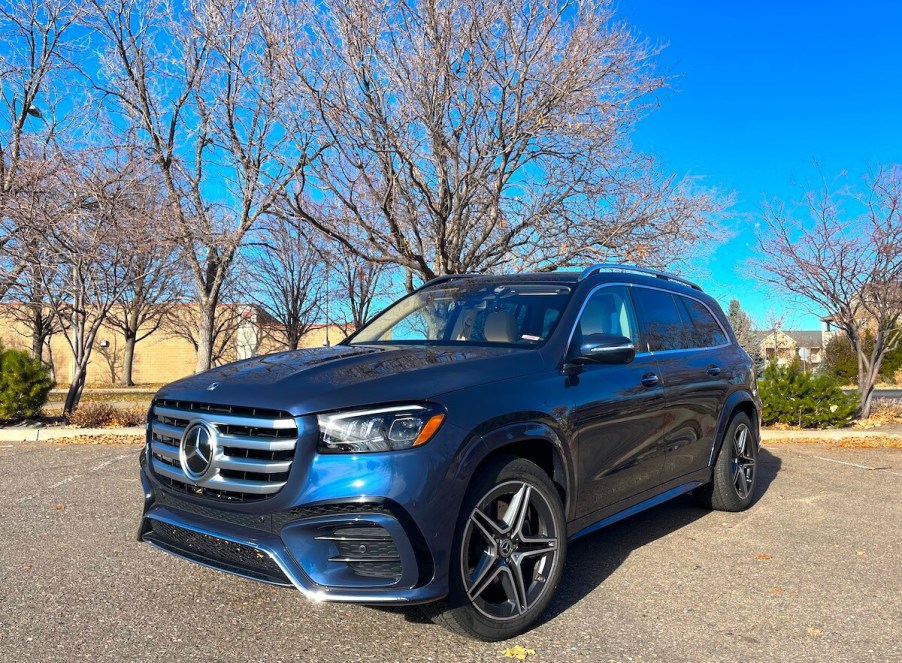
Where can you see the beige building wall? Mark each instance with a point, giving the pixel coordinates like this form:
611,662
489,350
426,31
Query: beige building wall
161,357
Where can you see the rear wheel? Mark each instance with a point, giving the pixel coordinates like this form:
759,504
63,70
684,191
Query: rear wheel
735,470
508,556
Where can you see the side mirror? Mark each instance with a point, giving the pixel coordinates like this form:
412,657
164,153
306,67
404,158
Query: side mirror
605,349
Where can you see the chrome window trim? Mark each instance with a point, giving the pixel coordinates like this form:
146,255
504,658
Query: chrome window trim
648,353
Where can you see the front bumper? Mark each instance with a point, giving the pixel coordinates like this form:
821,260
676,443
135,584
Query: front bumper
291,540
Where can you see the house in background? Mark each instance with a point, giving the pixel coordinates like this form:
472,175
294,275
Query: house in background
784,346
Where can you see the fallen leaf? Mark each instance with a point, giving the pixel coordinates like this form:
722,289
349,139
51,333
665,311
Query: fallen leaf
518,652
764,556
859,552
815,632
776,590
60,507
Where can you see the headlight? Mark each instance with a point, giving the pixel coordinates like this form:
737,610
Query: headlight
382,429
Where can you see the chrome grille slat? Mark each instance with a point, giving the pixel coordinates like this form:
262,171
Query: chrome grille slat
168,430
218,482
254,465
257,443
165,450
226,419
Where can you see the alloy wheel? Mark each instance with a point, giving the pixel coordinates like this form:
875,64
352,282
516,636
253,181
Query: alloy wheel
744,460
510,550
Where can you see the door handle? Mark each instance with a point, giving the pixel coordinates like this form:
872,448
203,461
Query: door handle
713,370
650,380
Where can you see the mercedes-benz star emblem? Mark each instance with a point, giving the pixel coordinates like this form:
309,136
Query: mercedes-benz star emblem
196,450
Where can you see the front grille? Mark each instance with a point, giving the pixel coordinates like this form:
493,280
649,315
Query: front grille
252,456
368,550
219,553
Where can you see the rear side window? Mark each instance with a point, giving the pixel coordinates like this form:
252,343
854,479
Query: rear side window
665,328
706,331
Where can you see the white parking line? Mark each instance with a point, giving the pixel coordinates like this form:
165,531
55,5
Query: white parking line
63,482
108,462
73,477
863,467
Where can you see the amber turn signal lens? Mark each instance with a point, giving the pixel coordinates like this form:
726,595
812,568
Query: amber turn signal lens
429,430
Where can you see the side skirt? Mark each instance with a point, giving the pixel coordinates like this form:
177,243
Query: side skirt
626,508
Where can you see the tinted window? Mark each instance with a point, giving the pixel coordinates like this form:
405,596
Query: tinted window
706,332
664,326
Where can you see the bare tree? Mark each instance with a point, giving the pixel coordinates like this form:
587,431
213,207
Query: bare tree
30,306
206,85
483,134
286,267
81,261
156,275
848,263
37,43
355,285
226,321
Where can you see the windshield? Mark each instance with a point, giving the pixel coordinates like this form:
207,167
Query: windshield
470,312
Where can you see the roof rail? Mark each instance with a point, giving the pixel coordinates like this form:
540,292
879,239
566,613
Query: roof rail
614,267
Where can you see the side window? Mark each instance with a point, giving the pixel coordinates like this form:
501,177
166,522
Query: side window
664,326
608,311
706,332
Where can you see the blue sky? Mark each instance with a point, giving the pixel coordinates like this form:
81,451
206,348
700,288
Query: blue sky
758,93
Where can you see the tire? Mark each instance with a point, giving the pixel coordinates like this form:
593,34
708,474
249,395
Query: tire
735,475
511,527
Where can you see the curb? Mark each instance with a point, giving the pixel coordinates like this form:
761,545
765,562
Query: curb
42,434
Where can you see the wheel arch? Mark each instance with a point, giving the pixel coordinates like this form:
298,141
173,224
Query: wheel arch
738,401
535,441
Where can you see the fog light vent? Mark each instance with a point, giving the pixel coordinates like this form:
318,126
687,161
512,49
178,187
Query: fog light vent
368,550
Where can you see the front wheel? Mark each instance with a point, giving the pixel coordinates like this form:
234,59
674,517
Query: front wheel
736,469
509,549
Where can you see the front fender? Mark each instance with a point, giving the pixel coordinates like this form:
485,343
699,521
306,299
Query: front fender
520,433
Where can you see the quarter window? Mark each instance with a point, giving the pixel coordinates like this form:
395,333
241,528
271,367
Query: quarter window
706,332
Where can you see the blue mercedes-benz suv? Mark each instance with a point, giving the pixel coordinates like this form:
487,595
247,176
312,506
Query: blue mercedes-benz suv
446,452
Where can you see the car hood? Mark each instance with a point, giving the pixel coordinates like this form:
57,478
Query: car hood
321,379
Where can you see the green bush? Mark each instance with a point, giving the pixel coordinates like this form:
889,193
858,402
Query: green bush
792,396
24,385
841,362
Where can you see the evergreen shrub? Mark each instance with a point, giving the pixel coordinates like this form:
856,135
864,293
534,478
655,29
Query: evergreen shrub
793,396
24,385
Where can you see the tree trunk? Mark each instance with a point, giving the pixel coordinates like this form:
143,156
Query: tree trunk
128,358
37,335
206,314
73,396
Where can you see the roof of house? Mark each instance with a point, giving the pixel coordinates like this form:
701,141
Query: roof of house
802,338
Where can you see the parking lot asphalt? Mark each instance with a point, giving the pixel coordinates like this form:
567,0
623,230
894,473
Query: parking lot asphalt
812,572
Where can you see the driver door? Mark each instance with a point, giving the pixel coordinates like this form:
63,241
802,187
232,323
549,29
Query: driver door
618,409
